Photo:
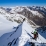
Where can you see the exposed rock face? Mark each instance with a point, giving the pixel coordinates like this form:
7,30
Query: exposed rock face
39,18
35,15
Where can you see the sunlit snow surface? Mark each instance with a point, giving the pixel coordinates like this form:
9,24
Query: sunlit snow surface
23,36
5,25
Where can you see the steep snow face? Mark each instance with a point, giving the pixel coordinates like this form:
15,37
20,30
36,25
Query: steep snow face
21,36
27,35
11,37
24,36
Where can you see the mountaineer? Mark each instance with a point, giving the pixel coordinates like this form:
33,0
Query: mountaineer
35,33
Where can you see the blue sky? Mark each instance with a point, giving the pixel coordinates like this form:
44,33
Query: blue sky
22,2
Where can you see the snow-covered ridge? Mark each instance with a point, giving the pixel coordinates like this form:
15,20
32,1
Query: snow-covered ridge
22,36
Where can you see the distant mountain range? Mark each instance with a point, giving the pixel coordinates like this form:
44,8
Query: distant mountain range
35,15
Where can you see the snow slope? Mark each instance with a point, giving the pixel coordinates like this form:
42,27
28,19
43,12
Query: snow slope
27,36
5,25
21,36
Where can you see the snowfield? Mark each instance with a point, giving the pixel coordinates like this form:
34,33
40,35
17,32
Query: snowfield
5,25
